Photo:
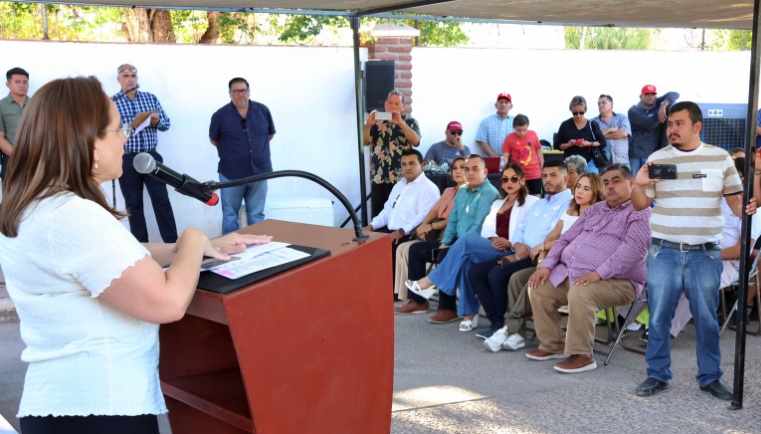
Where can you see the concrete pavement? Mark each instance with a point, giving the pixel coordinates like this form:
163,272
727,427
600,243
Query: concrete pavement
444,382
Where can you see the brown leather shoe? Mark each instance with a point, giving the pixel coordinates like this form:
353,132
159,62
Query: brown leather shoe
444,316
576,363
411,308
544,355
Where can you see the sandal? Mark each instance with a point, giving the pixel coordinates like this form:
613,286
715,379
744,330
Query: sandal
415,287
469,324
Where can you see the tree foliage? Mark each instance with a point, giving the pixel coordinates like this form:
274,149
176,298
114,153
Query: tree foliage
607,38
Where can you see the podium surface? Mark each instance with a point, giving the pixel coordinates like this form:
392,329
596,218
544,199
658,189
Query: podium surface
309,350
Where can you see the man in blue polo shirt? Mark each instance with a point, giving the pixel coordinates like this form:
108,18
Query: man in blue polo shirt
242,131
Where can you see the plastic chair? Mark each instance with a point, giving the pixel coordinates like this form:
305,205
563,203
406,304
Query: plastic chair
642,299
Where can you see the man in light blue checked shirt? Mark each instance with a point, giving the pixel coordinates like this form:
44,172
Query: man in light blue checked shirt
130,102
493,130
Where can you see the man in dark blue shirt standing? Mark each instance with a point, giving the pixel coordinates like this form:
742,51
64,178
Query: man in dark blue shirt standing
242,131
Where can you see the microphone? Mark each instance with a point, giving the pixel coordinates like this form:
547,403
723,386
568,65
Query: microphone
123,94
145,163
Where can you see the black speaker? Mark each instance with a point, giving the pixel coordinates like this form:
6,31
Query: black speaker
379,81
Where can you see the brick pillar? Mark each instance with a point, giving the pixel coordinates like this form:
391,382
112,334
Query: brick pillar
400,51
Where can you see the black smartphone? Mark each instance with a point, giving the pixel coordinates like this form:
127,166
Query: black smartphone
662,171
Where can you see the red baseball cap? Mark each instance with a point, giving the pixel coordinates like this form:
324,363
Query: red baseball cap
454,126
648,88
504,95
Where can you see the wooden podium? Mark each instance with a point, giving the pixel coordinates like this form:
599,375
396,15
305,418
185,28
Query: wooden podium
309,350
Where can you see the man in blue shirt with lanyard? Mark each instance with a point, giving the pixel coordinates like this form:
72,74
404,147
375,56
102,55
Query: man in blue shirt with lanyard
241,131
130,102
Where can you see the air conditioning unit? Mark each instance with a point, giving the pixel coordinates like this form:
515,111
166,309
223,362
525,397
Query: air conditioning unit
724,125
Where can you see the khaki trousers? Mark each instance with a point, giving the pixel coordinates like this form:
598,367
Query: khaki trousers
402,265
583,303
518,306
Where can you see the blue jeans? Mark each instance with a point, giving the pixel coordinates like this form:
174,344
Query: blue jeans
592,167
669,272
635,164
254,194
453,270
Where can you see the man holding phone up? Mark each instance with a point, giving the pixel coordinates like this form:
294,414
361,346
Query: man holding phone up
685,254
388,138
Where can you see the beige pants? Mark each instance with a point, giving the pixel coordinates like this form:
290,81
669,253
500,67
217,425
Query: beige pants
518,306
583,303
402,263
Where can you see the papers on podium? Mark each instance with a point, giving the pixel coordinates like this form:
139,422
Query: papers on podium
256,258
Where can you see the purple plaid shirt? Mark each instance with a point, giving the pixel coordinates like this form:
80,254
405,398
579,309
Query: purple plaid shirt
611,241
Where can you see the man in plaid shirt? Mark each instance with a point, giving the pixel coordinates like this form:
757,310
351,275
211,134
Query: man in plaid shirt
130,102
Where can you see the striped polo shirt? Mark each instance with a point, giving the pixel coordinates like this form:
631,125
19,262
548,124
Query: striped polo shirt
688,209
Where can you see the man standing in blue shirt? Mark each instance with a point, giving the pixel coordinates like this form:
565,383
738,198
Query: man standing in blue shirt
242,131
647,119
130,102
493,130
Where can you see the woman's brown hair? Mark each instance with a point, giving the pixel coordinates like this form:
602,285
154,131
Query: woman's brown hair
54,147
451,167
598,190
523,191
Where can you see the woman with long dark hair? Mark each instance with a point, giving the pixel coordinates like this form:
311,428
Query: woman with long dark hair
88,295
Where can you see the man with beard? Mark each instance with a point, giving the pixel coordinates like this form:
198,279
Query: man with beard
242,131
685,254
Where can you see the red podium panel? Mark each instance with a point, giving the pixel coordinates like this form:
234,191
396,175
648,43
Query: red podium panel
309,350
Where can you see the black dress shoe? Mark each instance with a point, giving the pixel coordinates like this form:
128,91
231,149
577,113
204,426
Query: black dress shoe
651,386
718,389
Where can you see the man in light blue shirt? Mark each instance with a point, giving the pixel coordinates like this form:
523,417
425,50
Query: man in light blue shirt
489,279
493,130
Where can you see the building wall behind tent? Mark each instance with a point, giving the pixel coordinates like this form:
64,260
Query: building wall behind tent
310,91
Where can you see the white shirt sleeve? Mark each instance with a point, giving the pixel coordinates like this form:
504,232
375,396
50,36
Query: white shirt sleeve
92,247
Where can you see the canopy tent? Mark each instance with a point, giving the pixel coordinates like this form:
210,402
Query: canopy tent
731,14
737,14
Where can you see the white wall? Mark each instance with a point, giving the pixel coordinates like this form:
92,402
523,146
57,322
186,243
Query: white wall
309,90
463,83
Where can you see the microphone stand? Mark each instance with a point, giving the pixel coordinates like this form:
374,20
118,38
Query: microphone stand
214,185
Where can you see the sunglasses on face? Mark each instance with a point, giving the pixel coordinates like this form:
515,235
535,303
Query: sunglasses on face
578,113
456,133
512,179
132,70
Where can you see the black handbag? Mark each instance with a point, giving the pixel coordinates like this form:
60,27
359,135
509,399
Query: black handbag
597,154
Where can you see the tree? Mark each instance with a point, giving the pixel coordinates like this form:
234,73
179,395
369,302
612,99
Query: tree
606,38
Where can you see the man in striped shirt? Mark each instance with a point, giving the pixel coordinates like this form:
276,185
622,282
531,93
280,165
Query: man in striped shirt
685,254
130,102
598,263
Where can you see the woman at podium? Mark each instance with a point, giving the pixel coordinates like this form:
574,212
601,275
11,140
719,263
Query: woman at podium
89,296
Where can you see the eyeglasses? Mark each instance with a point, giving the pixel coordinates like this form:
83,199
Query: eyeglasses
244,125
239,91
126,129
578,113
132,70
456,133
512,179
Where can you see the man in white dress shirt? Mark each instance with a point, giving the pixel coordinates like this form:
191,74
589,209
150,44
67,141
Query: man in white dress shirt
409,202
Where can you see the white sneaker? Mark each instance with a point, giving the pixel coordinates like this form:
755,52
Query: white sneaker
633,326
495,341
514,342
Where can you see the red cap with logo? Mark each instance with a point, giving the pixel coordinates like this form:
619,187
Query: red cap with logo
454,126
648,88
504,95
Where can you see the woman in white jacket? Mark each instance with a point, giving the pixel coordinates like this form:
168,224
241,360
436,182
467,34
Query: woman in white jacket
505,216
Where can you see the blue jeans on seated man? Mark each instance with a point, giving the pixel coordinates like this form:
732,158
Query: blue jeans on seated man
253,194
451,273
670,272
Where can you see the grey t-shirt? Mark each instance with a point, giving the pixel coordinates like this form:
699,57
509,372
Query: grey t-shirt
439,152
